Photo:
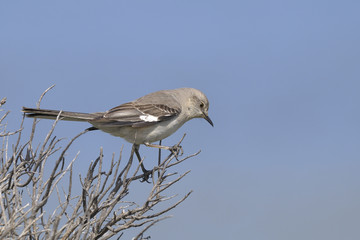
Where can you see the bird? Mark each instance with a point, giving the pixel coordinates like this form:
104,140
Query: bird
146,120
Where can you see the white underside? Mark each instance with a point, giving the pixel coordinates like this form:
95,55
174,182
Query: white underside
149,134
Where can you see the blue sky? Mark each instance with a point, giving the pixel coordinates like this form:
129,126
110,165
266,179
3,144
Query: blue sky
282,77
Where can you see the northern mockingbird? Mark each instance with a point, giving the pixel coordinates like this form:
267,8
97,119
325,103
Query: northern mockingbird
145,120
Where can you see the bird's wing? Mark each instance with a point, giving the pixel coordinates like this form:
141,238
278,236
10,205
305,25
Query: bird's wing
136,115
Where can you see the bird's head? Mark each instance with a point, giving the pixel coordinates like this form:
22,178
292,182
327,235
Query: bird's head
198,106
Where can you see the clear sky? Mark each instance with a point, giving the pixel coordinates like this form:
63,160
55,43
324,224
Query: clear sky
282,77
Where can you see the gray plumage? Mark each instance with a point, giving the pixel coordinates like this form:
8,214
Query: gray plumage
147,119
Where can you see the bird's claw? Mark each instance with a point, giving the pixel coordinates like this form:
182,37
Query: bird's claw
177,150
146,176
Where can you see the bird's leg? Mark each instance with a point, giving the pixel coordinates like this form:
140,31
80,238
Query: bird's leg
176,149
159,159
157,146
146,172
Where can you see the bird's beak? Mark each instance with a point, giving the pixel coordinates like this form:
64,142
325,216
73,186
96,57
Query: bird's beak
207,118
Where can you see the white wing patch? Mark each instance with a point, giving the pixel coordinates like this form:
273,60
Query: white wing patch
149,118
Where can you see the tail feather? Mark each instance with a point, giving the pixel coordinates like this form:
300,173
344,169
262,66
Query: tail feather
65,115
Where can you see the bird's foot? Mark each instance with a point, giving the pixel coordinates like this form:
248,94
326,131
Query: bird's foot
146,175
177,150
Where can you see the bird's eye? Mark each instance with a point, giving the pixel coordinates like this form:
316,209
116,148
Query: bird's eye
201,105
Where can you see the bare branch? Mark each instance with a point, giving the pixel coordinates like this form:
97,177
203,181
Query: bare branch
43,94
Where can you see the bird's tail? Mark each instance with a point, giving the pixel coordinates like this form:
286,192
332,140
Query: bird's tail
53,114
